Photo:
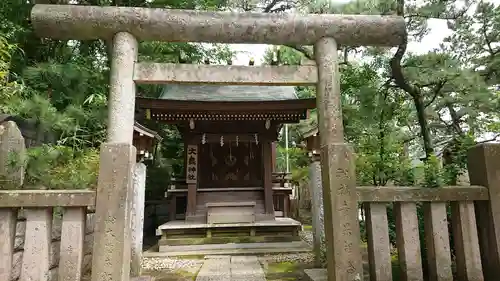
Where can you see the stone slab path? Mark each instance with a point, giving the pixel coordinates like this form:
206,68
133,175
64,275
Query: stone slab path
231,268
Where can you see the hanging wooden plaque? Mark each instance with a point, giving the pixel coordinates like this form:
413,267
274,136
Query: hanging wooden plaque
192,164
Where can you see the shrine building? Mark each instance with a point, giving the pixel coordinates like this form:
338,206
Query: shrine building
229,187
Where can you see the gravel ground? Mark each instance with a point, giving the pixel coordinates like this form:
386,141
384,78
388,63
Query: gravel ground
168,263
297,257
307,237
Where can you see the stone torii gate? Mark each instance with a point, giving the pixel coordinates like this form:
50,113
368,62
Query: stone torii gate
125,25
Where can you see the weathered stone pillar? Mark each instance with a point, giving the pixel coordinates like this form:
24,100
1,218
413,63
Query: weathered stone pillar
121,102
484,169
318,223
112,237
111,252
11,141
338,175
11,145
137,217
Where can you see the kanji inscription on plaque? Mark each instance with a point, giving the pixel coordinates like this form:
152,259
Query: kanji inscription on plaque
192,164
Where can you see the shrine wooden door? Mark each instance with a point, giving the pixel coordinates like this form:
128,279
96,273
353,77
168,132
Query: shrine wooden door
230,165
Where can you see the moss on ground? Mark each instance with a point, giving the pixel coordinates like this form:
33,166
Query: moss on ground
282,267
285,271
307,227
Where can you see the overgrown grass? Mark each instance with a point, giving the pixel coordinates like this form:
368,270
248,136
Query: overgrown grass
58,167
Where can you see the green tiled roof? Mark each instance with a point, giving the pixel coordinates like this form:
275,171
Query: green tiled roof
227,93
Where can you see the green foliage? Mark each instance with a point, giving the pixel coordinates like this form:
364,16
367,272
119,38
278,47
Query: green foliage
405,174
157,180
433,173
298,161
59,167
455,158
8,88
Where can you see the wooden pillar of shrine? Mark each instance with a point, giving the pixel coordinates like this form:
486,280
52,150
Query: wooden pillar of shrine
267,160
273,155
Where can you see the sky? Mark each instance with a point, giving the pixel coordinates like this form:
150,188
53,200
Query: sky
438,31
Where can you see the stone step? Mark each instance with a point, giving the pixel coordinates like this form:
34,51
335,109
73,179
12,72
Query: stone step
257,208
316,274
232,249
258,203
226,268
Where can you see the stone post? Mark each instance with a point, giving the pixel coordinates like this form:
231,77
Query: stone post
111,257
318,222
122,89
11,144
111,251
12,148
484,169
338,175
137,217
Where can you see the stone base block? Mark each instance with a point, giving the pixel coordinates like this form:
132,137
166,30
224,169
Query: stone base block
316,274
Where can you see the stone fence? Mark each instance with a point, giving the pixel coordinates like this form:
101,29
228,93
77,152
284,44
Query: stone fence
460,233
55,247
46,232
49,234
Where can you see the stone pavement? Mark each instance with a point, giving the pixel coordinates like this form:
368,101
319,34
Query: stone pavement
231,268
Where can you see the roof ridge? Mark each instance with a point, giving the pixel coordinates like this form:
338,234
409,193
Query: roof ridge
211,92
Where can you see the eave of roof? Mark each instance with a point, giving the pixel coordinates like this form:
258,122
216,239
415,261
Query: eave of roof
146,131
310,133
224,106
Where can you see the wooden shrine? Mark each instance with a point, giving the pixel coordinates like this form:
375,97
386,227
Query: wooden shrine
145,141
229,135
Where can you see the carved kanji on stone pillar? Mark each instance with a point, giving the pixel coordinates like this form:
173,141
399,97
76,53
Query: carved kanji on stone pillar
337,168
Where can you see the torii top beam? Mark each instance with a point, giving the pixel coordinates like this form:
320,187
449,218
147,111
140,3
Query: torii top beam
94,22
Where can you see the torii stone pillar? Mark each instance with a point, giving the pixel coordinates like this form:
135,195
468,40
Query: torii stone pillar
338,176
111,256
316,189
318,214
137,218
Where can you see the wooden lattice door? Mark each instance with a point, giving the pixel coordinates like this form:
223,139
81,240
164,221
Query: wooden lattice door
231,165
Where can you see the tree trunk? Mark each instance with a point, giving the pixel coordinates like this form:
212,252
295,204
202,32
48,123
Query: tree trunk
424,127
412,90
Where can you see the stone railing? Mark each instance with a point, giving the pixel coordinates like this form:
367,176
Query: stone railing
446,233
440,207
46,234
